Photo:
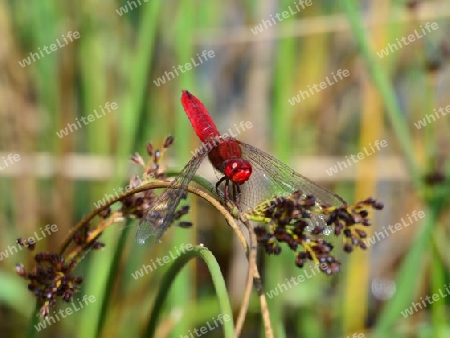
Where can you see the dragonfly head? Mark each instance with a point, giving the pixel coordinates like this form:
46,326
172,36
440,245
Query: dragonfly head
238,170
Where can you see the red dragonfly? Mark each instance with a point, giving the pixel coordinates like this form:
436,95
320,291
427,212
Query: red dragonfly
250,176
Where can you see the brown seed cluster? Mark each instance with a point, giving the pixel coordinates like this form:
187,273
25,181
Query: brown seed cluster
152,168
288,220
136,205
53,276
29,245
82,239
435,178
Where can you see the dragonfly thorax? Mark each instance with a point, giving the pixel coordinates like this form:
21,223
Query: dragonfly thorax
238,170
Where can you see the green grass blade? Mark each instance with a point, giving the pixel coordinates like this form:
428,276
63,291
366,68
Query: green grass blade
170,276
385,89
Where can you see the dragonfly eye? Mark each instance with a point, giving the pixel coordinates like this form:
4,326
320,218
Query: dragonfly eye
238,170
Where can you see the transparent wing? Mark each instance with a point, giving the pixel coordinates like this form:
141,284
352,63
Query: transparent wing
270,177
160,214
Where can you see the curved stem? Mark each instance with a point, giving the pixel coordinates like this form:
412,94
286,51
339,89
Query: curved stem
155,185
253,276
110,281
245,301
259,288
218,280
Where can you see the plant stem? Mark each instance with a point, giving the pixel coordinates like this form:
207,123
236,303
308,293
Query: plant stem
218,280
156,185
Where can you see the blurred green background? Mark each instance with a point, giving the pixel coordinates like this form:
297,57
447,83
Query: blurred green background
260,63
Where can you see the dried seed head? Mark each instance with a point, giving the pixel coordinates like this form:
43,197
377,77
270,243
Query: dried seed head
185,225
45,310
168,142
105,213
23,242
51,278
136,158
412,4
20,270
149,147
361,233
289,220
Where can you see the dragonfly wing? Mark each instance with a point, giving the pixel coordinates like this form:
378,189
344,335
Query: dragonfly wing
270,177
160,214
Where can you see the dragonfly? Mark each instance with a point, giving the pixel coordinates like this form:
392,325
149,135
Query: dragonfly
249,175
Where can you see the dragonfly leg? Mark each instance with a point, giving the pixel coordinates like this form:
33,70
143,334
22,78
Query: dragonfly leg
227,191
218,184
231,194
238,190
234,196
237,194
